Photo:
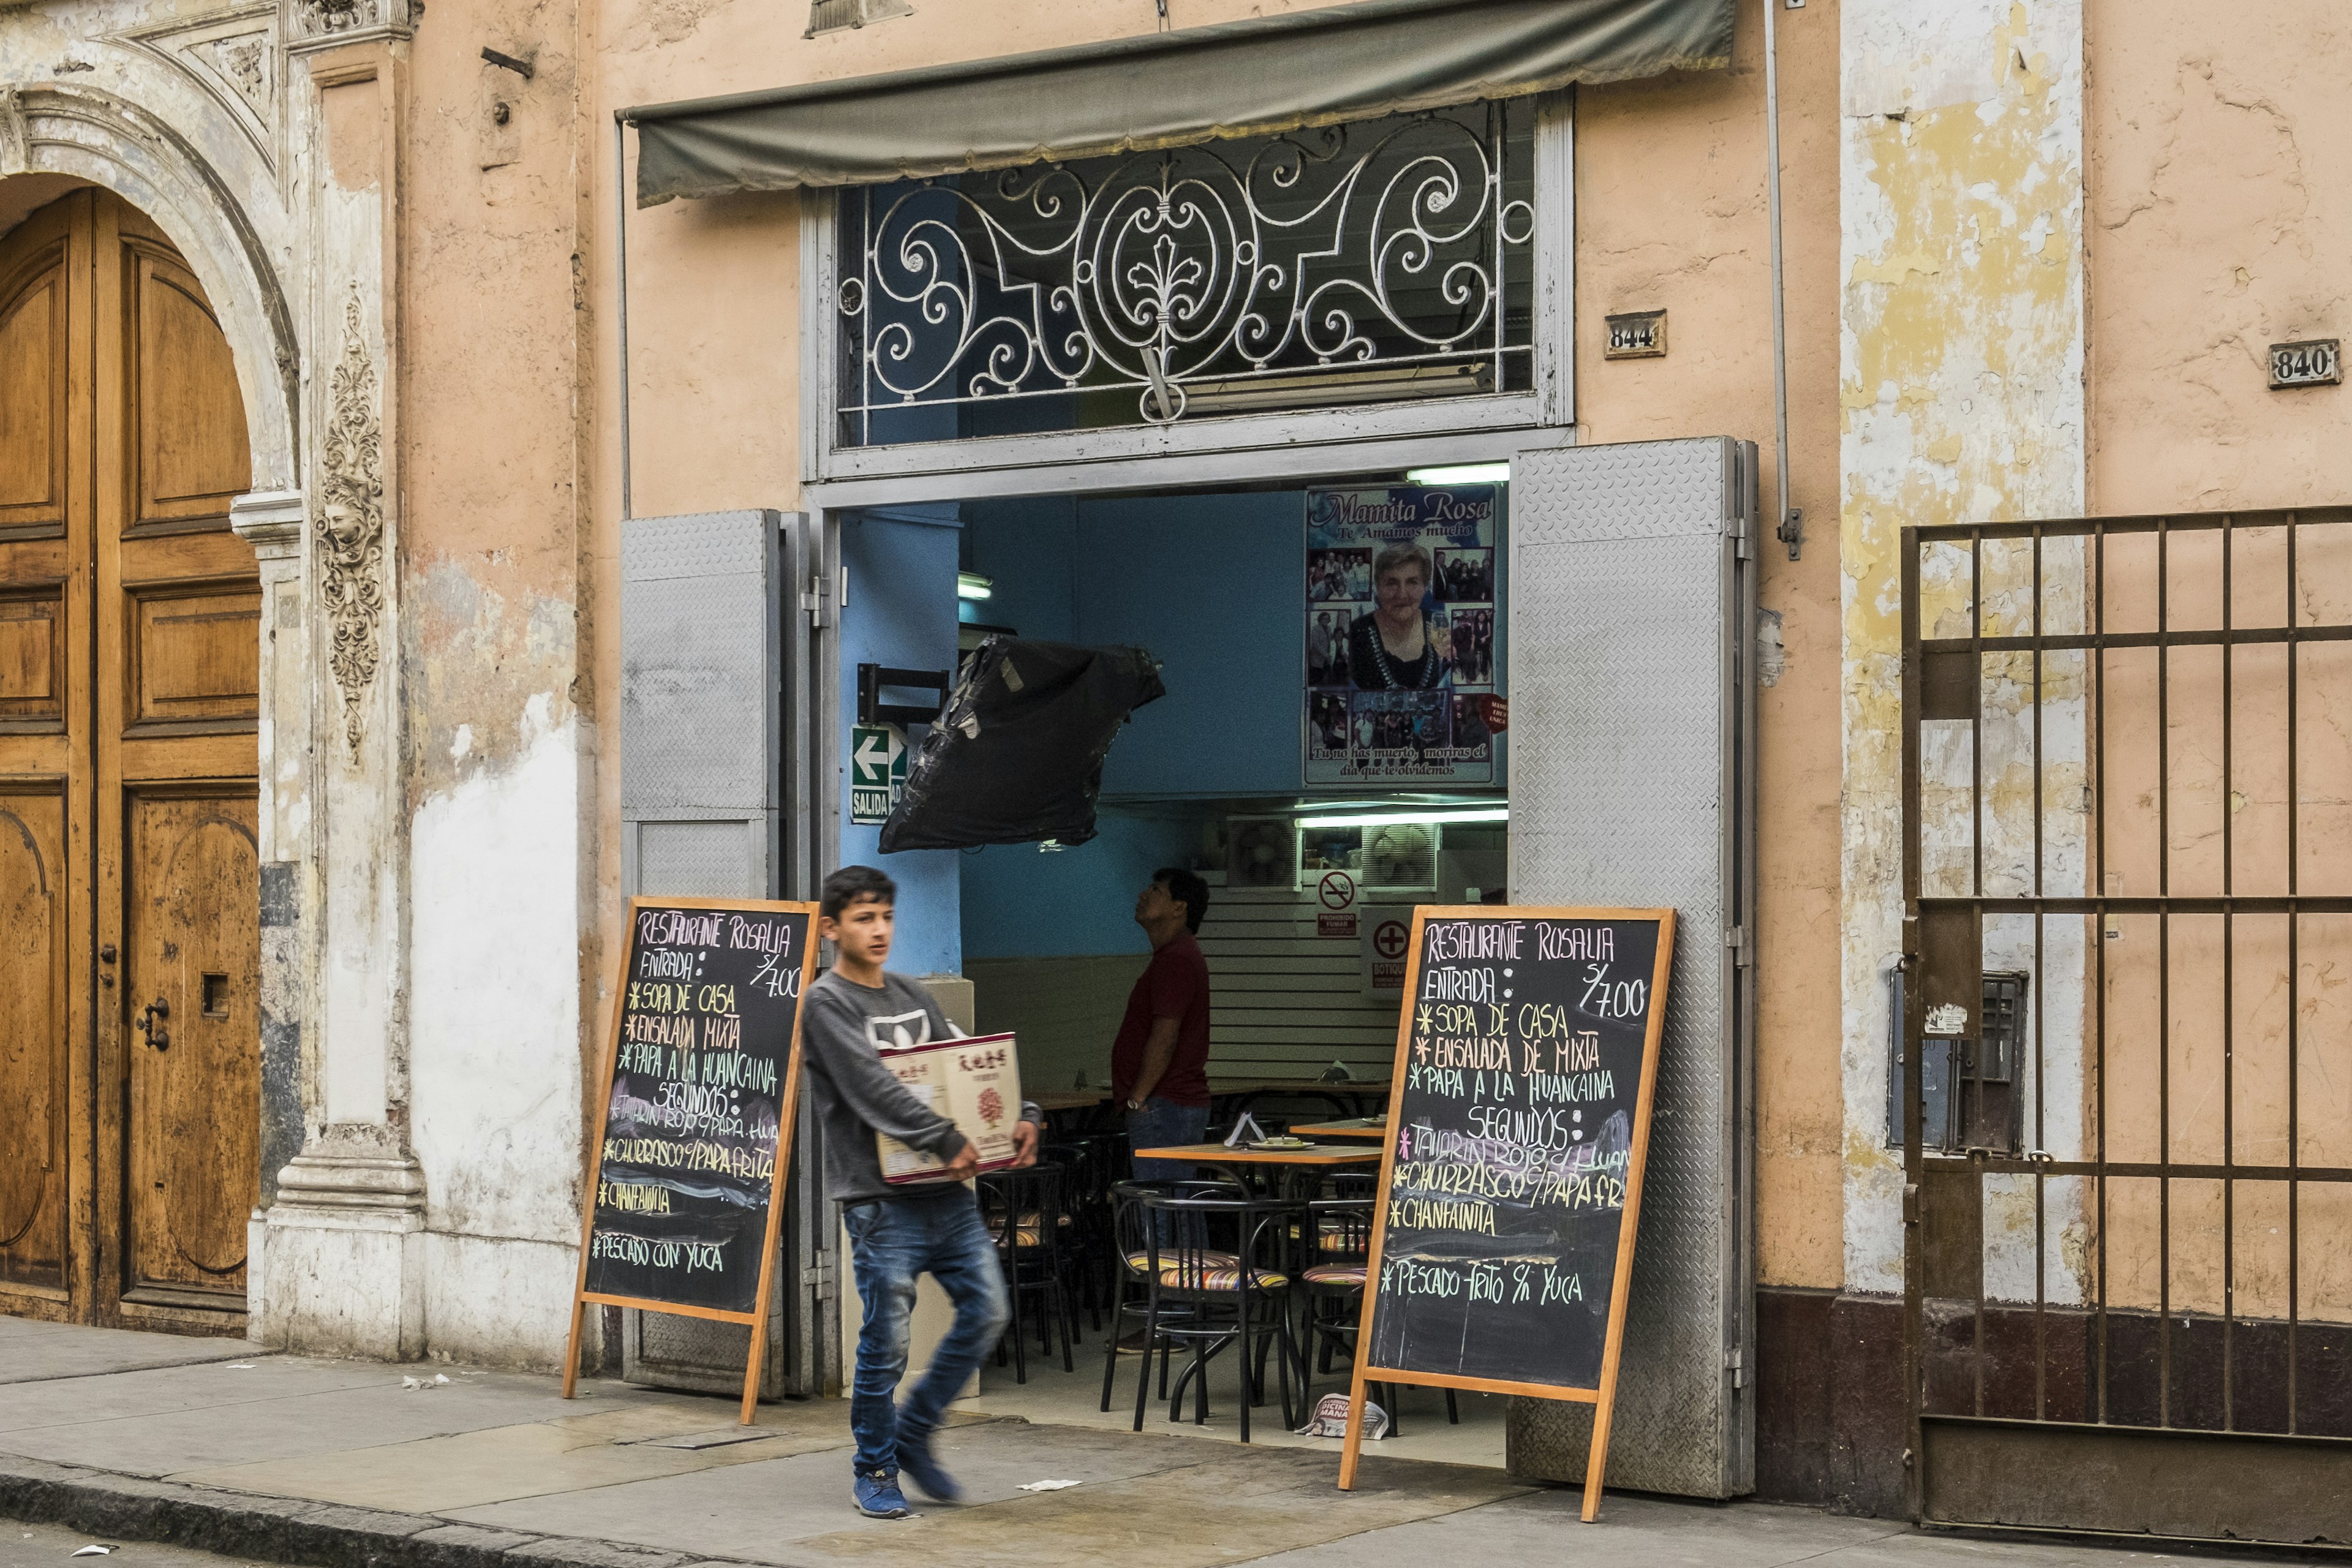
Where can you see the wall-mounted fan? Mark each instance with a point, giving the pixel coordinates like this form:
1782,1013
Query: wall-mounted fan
1262,853
1400,855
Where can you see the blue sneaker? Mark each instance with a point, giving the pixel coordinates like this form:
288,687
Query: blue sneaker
915,1458
878,1497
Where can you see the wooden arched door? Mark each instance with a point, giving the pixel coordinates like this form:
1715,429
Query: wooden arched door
129,1038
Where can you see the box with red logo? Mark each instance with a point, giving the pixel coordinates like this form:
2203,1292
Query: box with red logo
975,1082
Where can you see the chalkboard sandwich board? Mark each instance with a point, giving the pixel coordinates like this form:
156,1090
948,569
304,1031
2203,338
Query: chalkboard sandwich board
686,1184
1511,1184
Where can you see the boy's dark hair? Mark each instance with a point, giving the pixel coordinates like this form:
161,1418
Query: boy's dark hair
1187,888
851,883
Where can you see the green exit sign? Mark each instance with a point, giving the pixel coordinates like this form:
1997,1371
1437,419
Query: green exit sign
877,772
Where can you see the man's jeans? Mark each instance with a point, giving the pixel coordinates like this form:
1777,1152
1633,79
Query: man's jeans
892,1240
1159,1123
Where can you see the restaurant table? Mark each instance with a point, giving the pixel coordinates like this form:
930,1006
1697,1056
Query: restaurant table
1069,1098
1295,1164
1375,1128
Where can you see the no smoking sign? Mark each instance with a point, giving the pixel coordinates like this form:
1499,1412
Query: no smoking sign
1336,893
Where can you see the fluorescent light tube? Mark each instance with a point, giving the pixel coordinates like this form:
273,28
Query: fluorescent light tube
1392,818
974,586
1460,474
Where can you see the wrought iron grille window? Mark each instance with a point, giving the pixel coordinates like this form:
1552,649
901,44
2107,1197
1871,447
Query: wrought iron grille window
1374,262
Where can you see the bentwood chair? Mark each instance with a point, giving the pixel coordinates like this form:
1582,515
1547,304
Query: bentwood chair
1204,1275
1332,1286
1092,1163
1025,1211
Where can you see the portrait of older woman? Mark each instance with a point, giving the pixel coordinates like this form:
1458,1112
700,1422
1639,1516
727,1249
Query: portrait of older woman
1395,648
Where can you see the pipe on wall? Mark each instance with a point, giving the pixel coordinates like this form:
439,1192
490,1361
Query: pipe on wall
621,278
1788,526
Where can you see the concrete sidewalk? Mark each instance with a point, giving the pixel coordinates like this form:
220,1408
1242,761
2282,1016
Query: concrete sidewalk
208,1444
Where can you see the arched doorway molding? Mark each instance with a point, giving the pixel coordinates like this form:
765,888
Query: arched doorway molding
97,136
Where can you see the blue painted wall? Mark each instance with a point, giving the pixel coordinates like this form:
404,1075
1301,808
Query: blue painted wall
1213,585
1019,901
902,611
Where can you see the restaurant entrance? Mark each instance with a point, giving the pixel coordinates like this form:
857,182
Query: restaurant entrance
1318,777
1620,616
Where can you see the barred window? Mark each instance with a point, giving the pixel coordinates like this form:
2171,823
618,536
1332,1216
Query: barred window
1373,262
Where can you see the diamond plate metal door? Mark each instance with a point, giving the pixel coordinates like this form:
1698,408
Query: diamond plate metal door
715,789
1632,615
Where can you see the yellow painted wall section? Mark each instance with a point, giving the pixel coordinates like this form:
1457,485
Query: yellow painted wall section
1960,379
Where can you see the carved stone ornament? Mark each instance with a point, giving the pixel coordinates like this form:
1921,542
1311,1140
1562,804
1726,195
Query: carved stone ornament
351,524
231,55
320,22
16,140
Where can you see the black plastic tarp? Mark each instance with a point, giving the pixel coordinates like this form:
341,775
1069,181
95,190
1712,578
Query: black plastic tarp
1017,755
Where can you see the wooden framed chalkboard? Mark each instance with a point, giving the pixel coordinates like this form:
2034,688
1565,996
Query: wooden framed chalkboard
1511,1187
686,1184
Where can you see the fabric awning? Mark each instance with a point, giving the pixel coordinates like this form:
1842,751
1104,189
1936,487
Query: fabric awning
1258,76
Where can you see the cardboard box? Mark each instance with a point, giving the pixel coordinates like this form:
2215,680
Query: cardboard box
975,1082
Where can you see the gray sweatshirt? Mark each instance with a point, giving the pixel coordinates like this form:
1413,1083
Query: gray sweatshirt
854,1096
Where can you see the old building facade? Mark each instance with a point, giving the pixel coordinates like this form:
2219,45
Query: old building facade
313,455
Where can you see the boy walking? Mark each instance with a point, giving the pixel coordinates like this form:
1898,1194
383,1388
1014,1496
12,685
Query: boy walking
854,1011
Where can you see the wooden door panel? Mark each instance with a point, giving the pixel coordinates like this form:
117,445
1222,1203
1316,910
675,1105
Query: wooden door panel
194,661
192,1002
187,414
46,502
36,336
177,603
33,1057
32,657
129,652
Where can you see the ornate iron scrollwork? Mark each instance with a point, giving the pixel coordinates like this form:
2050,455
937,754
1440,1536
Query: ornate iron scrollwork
1352,263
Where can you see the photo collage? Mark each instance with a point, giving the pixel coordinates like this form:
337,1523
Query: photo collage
1400,635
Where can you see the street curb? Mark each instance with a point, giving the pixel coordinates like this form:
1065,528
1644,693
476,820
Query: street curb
293,1530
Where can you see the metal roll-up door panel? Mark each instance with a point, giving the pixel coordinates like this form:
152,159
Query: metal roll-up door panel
1632,605
702,791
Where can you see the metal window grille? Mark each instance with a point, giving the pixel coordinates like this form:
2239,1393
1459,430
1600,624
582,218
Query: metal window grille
1381,261
2126,764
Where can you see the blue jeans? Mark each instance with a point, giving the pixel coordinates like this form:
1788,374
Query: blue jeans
891,1241
1161,1123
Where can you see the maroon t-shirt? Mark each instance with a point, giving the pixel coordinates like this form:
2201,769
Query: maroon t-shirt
1175,984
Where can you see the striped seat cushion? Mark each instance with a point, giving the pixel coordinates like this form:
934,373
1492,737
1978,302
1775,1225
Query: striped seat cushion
1028,1234
1142,1261
1216,1279
1335,1274
1331,1237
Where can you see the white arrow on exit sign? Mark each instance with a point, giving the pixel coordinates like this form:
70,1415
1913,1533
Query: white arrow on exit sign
872,757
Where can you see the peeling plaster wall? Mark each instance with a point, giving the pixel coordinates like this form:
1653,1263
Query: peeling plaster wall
1961,338
494,1040
501,755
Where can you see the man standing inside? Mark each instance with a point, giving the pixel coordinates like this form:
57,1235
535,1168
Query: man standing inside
1158,1064
853,1013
